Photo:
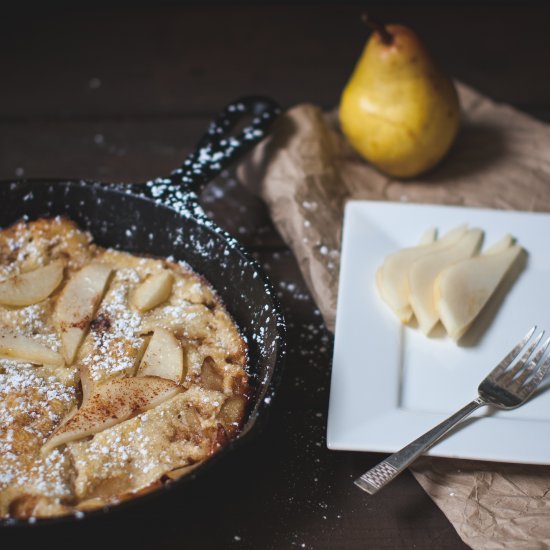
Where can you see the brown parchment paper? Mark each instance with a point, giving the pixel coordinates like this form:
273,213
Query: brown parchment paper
306,171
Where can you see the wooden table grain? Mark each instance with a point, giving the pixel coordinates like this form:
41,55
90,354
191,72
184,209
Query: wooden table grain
122,94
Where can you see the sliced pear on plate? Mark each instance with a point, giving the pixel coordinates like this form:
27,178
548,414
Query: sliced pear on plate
153,291
113,402
463,289
392,276
424,271
506,242
429,236
23,348
31,287
78,304
163,357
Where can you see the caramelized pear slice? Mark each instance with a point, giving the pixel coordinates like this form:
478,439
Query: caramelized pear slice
423,273
392,277
23,348
232,412
463,289
31,287
153,291
78,304
211,377
114,401
163,357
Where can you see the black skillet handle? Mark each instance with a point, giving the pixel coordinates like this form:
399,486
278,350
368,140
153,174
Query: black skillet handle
218,148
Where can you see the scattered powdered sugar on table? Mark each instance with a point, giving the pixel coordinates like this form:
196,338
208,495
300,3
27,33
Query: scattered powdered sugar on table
306,466
94,83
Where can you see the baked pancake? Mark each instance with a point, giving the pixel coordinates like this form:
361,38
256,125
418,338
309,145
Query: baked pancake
117,371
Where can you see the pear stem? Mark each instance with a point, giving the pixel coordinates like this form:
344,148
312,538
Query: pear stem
376,26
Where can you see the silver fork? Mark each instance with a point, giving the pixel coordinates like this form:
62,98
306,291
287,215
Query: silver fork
505,387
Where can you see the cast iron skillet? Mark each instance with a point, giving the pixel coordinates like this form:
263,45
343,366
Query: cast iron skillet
163,218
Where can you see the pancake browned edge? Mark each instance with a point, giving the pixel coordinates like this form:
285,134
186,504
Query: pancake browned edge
38,402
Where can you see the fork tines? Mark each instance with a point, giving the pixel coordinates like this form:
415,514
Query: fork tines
526,373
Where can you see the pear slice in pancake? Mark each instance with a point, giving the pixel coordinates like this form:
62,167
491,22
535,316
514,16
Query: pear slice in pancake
31,287
153,291
114,401
163,357
77,305
24,348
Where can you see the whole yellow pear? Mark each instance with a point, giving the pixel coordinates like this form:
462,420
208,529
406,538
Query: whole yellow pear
398,110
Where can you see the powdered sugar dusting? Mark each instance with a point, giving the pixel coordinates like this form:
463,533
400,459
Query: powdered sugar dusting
32,321
31,406
114,347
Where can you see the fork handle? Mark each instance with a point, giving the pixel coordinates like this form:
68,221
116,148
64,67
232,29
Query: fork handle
374,479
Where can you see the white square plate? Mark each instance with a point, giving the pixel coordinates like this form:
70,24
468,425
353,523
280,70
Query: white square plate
390,383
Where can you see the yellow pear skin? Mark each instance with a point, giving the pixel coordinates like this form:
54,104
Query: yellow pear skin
399,111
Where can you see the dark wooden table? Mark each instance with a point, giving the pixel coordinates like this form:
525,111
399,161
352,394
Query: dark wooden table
123,94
